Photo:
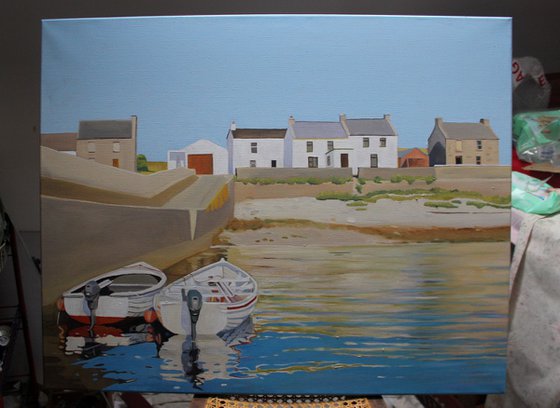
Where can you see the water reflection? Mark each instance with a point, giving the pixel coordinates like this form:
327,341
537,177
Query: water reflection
209,357
434,315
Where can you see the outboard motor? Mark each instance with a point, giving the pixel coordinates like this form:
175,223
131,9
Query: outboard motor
91,294
193,298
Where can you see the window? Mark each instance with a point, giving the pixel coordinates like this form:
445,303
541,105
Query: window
458,145
330,145
329,161
116,147
179,158
478,160
253,163
458,159
273,163
373,161
313,162
91,147
309,147
365,142
383,142
479,145
253,147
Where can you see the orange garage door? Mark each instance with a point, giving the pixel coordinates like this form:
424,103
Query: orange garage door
201,163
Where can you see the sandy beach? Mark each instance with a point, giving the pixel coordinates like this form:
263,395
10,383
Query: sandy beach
382,213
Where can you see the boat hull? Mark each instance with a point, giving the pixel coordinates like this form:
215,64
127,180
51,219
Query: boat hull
214,317
110,309
229,296
118,305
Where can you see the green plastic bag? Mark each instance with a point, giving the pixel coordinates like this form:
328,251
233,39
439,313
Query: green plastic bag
533,195
537,136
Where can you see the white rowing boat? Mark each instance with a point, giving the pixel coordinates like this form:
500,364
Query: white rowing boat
125,292
229,295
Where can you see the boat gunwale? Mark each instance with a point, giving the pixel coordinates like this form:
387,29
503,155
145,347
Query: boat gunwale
151,270
222,262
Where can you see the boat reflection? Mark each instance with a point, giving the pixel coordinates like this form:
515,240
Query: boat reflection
209,357
182,359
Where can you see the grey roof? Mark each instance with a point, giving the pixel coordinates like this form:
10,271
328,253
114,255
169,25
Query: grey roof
319,130
62,142
105,129
369,127
467,131
259,133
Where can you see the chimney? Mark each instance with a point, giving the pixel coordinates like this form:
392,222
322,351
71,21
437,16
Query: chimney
233,126
439,122
485,122
387,117
133,125
291,121
342,120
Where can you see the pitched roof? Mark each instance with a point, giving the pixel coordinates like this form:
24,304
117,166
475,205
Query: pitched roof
62,142
259,133
467,131
368,127
404,152
319,130
105,129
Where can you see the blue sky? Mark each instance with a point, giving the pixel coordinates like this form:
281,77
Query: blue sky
187,78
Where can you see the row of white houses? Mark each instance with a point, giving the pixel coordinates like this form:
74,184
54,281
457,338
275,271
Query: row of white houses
350,143
353,143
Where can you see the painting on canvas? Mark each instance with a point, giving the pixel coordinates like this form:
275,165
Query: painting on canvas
276,204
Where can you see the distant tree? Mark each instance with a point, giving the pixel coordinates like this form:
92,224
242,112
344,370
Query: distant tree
141,163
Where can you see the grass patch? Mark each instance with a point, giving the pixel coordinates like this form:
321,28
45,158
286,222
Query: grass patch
377,180
433,194
360,209
361,181
429,179
338,196
440,204
357,204
397,178
482,204
340,180
359,188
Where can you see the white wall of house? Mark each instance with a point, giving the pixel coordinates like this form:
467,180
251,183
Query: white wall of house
358,155
387,157
231,169
300,155
267,151
334,158
219,155
289,148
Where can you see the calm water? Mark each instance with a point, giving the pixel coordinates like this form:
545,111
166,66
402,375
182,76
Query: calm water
411,318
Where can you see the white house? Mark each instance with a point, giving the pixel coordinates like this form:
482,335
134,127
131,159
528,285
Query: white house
370,142
255,147
203,156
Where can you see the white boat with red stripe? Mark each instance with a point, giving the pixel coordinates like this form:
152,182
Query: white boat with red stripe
229,295
125,292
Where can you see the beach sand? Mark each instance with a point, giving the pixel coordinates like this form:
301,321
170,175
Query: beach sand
382,213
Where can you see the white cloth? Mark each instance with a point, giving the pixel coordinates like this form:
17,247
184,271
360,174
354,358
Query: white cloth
533,374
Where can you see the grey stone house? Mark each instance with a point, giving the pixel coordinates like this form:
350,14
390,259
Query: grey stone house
110,142
453,143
